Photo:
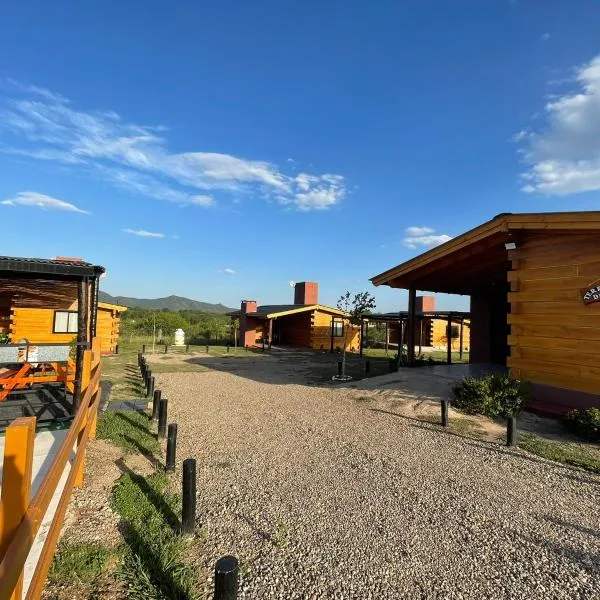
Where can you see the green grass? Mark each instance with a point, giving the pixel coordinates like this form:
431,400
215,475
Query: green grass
576,455
129,430
153,566
83,562
437,355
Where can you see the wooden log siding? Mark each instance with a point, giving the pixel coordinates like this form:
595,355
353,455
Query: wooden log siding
321,333
555,338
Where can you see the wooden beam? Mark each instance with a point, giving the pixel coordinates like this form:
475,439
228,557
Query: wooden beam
449,340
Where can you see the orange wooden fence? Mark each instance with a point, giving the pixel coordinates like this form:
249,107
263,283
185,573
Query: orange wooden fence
20,517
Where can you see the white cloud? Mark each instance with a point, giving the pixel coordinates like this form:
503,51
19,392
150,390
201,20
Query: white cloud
544,37
229,271
43,125
423,237
144,233
417,231
42,201
564,158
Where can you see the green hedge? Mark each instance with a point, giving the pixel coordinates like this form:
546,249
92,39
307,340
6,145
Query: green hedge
585,423
490,395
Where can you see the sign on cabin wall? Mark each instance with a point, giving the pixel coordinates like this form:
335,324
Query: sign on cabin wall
592,294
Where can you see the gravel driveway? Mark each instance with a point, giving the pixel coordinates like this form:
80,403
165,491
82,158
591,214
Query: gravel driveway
320,496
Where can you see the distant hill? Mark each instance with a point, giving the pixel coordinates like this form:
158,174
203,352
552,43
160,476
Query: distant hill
173,303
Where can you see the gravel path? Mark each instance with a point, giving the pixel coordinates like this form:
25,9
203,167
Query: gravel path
322,497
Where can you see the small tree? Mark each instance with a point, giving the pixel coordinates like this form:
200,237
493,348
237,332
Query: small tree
356,306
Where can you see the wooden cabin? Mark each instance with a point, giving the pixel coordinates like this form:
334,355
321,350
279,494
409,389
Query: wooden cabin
534,284
304,324
108,326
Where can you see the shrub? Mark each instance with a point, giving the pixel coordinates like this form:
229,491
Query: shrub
585,423
490,395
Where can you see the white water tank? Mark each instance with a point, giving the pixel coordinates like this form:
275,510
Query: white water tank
179,337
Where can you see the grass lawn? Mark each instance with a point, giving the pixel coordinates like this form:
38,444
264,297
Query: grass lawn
437,355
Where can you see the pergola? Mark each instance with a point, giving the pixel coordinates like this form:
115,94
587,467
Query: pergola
403,318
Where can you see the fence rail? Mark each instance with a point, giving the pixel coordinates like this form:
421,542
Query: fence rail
20,517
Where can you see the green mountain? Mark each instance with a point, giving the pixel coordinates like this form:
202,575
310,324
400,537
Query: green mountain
173,303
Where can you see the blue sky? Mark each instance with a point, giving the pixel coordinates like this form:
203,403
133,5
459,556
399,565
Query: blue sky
220,150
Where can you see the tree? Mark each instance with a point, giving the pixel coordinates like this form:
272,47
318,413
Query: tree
356,306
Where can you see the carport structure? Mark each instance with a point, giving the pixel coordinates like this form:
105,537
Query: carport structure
530,278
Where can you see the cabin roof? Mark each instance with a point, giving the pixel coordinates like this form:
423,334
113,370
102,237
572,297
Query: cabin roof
272,311
480,252
39,267
109,306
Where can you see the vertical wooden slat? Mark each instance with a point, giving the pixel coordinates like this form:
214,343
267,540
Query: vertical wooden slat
16,484
86,373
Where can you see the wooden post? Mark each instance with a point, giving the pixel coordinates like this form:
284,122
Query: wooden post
362,336
387,336
85,382
270,334
449,340
420,335
16,485
410,324
331,334
462,325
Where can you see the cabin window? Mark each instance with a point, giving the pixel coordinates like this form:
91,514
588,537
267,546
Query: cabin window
337,328
65,321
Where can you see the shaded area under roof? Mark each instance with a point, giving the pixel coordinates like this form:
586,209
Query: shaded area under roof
403,315
262,312
44,267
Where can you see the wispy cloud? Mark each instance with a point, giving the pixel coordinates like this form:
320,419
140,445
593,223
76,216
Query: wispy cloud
228,271
545,37
38,200
564,157
43,125
424,237
144,233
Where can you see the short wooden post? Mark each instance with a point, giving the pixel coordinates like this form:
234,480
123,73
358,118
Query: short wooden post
143,348
139,357
187,348
166,348
150,389
206,348
340,366
171,446
162,418
16,484
246,347
445,404
226,578
86,373
227,348
155,403
188,513
511,431
116,348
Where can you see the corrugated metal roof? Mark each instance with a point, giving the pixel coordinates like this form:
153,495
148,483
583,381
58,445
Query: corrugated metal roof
49,266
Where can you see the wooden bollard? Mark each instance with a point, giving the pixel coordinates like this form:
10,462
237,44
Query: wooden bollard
226,578
187,348
171,446
139,357
117,349
143,348
206,348
246,347
188,512
162,418
227,348
150,390
445,404
511,431
166,348
155,403
339,368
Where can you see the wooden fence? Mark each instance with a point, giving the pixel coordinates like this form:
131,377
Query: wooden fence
20,517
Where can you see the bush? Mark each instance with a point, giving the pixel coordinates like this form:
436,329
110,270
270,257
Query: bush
585,423
490,395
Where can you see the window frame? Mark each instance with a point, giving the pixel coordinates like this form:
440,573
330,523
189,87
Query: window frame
336,323
69,313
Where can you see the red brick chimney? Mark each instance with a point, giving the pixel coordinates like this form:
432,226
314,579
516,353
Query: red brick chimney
425,304
248,306
306,292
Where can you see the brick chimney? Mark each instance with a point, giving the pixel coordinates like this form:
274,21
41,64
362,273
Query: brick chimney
248,306
306,292
425,304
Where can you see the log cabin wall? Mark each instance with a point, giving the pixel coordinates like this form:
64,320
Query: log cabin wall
107,328
321,333
555,337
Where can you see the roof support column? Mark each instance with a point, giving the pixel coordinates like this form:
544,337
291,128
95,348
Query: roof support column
270,333
449,338
462,326
411,322
362,333
331,334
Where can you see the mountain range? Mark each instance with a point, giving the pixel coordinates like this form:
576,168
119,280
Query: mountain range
173,303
